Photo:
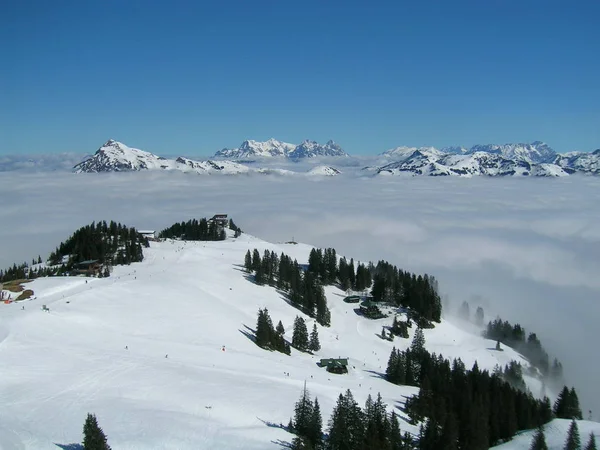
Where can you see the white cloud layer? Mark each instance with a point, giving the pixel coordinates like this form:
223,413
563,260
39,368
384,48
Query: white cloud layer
527,249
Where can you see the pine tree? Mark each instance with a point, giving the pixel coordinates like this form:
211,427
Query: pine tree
264,329
464,311
303,413
93,436
248,261
591,444
573,440
280,330
300,335
479,316
418,343
314,345
315,427
539,440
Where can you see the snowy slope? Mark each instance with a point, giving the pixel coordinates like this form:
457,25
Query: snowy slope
188,300
556,435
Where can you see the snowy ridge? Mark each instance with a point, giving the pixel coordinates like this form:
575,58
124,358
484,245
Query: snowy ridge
191,302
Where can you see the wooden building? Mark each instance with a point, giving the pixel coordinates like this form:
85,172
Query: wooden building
335,365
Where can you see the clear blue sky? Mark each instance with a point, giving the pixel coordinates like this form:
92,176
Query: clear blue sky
196,76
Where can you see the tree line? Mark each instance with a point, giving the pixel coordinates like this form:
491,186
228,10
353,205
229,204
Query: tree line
350,427
528,345
468,408
195,230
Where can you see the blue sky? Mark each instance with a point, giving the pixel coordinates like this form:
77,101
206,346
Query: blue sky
193,77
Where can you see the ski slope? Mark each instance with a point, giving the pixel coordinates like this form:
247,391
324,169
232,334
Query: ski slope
193,302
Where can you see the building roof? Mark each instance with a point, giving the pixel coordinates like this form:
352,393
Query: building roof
334,361
147,231
87,263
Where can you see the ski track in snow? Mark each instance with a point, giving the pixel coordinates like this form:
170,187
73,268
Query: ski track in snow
187,300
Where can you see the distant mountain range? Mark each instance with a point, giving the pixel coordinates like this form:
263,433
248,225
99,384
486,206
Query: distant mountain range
115,156
274,148
281,158
535,159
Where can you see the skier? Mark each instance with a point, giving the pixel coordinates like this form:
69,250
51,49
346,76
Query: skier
167,355
126,347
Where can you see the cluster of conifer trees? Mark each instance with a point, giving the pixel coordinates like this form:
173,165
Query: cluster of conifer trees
268,337
567,405
108,243
528,345
324,265
419,293
473,408
349,428
301,339
111,243
304,290
195,230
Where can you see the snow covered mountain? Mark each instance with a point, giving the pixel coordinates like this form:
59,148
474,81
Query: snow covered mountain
402,153
273,147
580,161
537,152
117,157
472,164
188,374
324,170
253,149
311,149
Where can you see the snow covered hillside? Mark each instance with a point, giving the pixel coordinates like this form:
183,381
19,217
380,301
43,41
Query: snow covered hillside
103,348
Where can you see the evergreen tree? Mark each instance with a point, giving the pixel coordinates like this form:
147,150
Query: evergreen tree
264,329
248,261
280,330
300,338
314,345
315,427
573,440
418,343
256,262
346,426
479,316
591,444
464,311
303,414
539,440
93,436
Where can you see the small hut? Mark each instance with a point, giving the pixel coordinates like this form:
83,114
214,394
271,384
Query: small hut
335,365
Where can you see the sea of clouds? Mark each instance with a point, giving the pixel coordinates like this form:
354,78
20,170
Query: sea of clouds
526,249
